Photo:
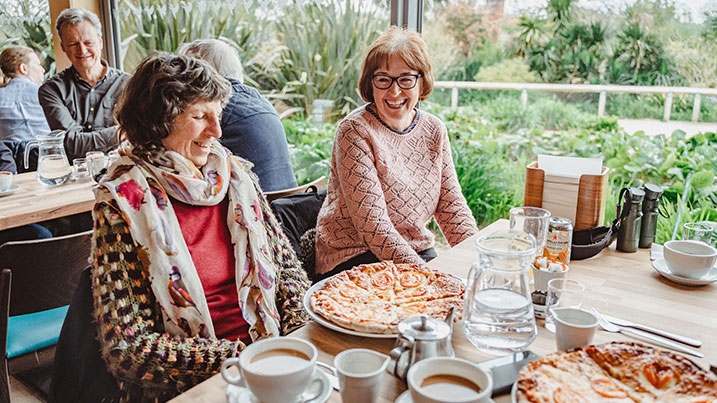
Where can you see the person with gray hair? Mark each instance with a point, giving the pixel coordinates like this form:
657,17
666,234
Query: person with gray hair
80,99
251,128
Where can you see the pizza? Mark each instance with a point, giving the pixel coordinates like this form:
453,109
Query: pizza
615,372
374,298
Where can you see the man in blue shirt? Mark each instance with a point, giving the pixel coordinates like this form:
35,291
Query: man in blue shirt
251,128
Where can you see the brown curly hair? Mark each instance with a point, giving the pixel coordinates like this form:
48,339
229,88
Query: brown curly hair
160,90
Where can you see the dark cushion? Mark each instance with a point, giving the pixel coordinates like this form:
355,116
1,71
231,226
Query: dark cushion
297,213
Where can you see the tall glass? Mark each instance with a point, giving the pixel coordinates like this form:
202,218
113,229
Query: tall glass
498,312
534,221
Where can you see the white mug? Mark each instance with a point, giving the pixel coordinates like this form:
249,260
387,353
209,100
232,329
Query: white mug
449,380
277,370
359,371
5,180
573,328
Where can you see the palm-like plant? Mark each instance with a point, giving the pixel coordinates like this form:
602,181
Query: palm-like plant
322,48
27,22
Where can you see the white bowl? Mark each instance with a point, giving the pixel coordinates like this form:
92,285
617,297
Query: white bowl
688,258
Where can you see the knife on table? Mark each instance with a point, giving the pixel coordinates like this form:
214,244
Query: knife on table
676,337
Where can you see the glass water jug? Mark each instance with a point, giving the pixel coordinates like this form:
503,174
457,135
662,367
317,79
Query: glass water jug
52,166
498,313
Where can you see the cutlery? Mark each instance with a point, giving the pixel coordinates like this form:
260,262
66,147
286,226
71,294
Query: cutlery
676,337
659,340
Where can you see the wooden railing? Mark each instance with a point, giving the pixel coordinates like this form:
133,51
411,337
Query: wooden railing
603,90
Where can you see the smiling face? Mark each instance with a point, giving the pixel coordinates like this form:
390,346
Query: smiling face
194,130
395,104
83,46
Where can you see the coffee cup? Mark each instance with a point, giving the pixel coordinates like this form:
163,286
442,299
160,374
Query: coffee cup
689,258
448,380
360,371
5,180
573,328
277,369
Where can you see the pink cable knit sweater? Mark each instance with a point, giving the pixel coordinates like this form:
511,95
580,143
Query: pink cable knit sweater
384,188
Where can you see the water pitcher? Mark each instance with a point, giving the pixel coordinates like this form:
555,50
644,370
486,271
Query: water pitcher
498,312
52,165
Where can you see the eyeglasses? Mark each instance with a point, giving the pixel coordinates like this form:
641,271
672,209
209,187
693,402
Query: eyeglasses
384,82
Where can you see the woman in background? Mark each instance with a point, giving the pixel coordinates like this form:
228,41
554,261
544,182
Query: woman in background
21,116
391,167
189,263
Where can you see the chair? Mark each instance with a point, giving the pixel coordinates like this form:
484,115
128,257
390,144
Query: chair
37,283
297,213
319,183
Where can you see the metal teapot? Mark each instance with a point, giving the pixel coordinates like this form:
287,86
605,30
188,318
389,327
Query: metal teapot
52,166
420,337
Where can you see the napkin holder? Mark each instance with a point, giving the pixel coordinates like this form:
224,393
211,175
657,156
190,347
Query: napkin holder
582,199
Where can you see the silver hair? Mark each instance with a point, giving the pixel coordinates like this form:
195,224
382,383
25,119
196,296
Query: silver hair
74,16
222,56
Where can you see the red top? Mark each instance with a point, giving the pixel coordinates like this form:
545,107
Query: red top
206,233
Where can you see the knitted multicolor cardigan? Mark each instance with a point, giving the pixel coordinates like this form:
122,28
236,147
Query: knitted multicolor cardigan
149,364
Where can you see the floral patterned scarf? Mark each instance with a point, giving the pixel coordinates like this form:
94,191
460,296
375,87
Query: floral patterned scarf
141,189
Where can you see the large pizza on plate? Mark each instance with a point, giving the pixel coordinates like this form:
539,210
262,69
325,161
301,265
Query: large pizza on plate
615,372
374,298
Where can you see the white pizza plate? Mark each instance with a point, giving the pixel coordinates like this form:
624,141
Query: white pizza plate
13,188
660,266
320,319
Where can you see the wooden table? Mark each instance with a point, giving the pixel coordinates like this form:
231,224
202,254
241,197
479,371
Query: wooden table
620,284
35,202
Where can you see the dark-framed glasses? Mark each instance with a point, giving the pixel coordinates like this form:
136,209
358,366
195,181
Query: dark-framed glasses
406,82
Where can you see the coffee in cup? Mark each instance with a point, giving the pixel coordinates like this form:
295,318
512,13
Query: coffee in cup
448,380
5,181
285,361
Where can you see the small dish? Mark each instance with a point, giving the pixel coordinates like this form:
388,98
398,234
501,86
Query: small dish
11,190
241,394
660,266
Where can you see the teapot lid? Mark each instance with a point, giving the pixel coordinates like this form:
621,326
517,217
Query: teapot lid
424,328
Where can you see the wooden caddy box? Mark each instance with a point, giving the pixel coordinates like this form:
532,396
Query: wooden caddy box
582,199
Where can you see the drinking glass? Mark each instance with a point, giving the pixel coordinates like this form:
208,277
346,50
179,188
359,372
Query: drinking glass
534,221
80,170
705,231
562,293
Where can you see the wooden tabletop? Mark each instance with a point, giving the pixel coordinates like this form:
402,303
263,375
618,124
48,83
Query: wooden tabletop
34,202
617,283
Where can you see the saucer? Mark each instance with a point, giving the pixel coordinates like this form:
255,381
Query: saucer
11,190
405,397
660,266
241,394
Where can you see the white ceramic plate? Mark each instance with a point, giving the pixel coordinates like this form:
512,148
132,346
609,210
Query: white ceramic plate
240,394
660,266
514,393
13,189
320,319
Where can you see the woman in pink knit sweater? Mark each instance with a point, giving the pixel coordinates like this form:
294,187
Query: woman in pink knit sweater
391,167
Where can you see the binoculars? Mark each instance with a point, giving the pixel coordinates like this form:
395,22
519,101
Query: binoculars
637,217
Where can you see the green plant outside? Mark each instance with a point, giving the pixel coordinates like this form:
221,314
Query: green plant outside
491,161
